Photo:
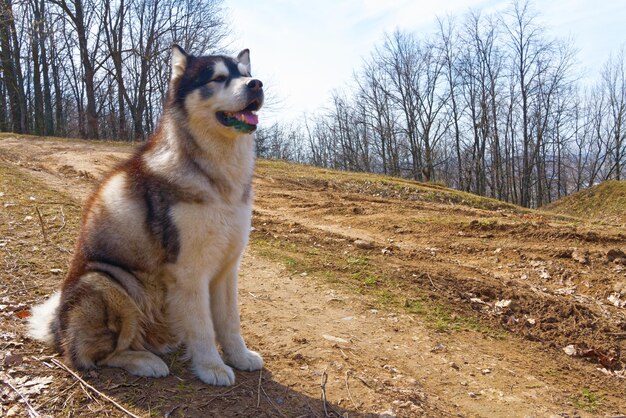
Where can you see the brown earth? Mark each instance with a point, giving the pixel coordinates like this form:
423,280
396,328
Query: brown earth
383,296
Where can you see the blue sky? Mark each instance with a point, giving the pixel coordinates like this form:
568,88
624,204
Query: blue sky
302,50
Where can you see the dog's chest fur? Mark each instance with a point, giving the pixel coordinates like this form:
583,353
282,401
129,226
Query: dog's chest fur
214,225
210,232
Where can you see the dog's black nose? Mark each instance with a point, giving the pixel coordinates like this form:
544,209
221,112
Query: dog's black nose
255,84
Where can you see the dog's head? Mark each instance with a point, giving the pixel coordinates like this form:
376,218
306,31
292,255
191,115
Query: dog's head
216,93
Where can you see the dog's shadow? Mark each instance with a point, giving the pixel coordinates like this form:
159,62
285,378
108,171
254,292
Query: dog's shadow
181,394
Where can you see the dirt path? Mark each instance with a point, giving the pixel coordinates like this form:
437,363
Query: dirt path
337,330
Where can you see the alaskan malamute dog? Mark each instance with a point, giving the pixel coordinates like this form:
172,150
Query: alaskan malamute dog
158,256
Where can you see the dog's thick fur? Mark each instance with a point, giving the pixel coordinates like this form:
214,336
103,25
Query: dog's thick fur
157,260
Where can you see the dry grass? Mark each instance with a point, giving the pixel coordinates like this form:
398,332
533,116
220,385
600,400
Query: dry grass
37,230
378,185
434,250
604,203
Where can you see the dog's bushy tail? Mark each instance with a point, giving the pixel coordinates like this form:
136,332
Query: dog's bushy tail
40,322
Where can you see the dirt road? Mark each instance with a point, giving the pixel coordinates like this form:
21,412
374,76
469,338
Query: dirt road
365,297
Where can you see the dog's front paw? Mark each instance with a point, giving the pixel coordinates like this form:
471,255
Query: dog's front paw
215,374
245,360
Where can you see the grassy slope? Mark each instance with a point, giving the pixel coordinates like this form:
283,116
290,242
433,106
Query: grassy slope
379,185
605,202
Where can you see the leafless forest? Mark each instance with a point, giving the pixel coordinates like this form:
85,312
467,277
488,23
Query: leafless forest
488,103
95,68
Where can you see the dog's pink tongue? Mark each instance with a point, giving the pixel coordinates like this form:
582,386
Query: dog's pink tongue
250,118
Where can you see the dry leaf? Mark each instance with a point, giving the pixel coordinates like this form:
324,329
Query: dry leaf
335,339
39,382
13,359
27,385
504,303
605,359
565,291
615,299
439,347
25,313
570,350
478,300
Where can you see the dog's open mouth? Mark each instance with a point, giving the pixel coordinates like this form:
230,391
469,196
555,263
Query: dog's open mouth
244,120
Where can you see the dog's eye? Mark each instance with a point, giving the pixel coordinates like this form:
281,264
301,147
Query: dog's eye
219,79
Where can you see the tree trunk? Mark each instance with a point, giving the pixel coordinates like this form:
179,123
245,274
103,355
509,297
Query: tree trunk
37,88
4,123
78,19
11,69
43,54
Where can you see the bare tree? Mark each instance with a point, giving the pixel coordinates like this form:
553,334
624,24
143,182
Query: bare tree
614,84
11,68
490,104
378,115
82,19
399,55
450,51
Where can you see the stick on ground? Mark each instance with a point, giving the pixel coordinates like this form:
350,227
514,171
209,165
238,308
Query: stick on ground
258,399
43,228
87,385
350,394
323,384
62,219
273,404
31,410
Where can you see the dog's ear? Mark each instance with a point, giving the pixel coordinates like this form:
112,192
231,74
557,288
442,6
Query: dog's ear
244,58
179,61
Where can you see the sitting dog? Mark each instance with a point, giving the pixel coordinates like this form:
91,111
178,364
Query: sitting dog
157,260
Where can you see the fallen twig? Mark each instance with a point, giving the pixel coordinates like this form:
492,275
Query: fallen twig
64,250
63,392
171,411
342,353
323,384
272,403
86,392
364,382
31,410
350,394
57,203
77,377
43,228
68,399
431,281
258,398
18,291
62,219
219,395
125,385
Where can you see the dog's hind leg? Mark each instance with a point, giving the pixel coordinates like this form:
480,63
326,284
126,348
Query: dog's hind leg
99,324
139,363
